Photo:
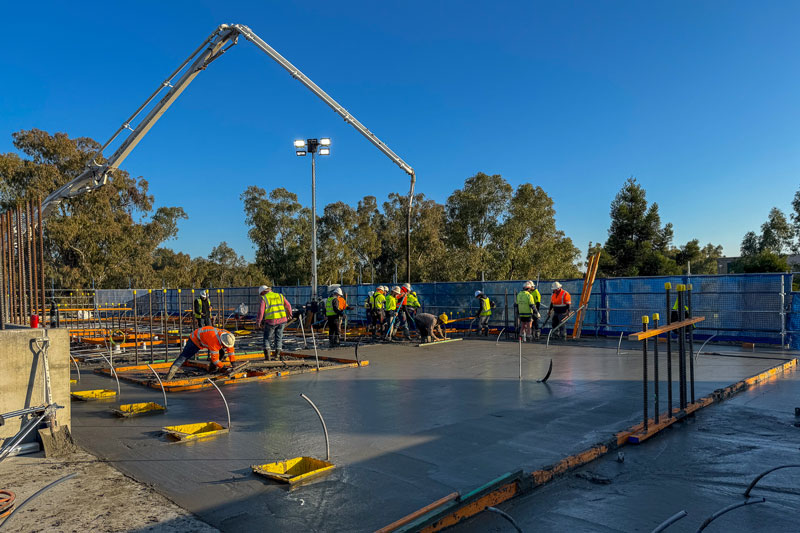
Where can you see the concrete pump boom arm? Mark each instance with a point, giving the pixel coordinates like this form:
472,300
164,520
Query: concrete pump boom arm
96,174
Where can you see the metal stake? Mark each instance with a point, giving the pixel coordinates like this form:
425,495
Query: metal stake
681,349
691,339
668,286
655,367
645,320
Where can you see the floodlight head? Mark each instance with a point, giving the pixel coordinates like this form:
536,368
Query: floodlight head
324,151
325,142
299,143
300,152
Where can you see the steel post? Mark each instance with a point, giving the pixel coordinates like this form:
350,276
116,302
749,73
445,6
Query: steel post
150,304
645,320
41,253
166,324
28,230
21,267
667,287
180,322
135,330
655,369
691,339
681,349
35,263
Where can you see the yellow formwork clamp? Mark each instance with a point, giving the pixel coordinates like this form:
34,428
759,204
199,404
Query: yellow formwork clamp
668,285
655,317
645,319
165,291
149,291
179,291
222,290
680,288
689,287
134,293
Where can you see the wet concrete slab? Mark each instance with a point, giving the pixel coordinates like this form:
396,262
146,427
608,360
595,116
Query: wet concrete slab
413,426
700,466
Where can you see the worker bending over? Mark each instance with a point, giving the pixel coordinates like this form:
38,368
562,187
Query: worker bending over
528,302
275,310
427,324
202,310
560,301
391,312
484,312
335,306
215,340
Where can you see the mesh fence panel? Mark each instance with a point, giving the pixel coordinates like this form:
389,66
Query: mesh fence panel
743,307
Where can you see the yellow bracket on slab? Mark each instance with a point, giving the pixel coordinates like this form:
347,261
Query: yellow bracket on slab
293,470
138,409
97,394
194,431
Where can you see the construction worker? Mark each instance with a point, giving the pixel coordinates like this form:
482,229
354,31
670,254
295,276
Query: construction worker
528,309
407,305
334,311
560,301
427,324
369,303
379,309
275,311
215,340
202,310
484,312
391,312
411,300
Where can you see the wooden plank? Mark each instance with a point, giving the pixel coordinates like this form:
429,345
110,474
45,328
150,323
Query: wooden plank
664,329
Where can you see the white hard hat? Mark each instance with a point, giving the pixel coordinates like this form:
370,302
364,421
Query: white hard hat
407,286
384,288
338,291
395,289
263,288
204,294
478,293
528,285
370,293
556,285
227,339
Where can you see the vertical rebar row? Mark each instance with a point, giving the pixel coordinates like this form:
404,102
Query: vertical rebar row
6,268
41,256
645,320
166,326
668,286
150,303
21,267
655,369
135,330
4,307
681,349
35,263
180,322
224,314
29,272
691,338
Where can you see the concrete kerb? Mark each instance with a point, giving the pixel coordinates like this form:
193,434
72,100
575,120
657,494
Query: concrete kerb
510,485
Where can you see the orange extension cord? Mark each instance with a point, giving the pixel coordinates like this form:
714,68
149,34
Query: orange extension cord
6,502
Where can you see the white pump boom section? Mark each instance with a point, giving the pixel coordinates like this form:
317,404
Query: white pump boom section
225,36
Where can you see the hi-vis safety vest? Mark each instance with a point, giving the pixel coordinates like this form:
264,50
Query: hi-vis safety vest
329,310
391,303
273,306
208,337
561,298
200,302
380,301
486,307
525,302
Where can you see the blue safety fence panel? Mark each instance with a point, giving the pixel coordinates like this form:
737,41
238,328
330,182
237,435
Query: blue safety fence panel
736,307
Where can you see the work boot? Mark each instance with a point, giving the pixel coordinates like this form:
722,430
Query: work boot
267,356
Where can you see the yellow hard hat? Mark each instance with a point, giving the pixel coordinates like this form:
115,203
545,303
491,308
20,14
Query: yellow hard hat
443,318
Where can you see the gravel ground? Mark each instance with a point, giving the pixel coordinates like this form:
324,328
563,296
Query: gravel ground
99,498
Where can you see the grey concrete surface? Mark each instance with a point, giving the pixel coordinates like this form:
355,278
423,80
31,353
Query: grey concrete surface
699,466
413,426
22,375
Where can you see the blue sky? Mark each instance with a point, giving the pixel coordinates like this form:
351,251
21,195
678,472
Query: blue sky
698,100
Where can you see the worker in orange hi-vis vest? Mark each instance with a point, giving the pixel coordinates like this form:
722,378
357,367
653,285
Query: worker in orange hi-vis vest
215,340
560,301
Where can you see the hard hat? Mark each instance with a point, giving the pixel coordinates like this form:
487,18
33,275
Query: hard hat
384,288
263,288
528,285
478,293
407,286
337,291
442,318
227,339
556,285
396,289
370,293
204,294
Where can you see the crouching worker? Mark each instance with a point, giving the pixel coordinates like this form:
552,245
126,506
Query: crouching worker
215,340
427,324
